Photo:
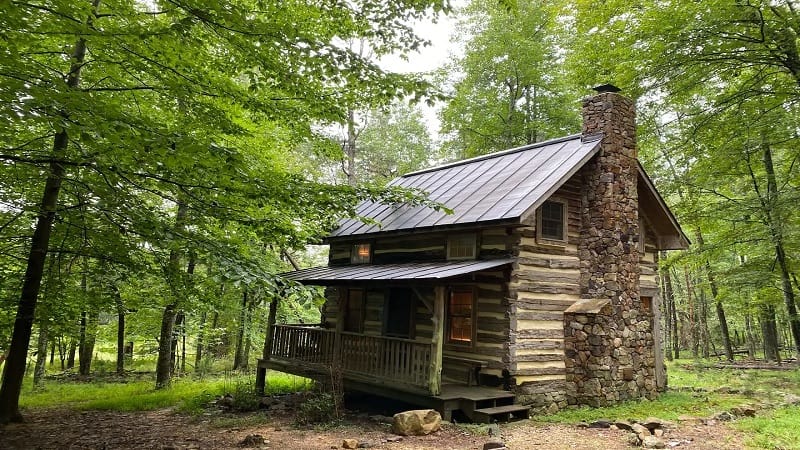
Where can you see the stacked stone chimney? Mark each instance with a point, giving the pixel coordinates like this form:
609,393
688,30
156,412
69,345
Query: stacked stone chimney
609,344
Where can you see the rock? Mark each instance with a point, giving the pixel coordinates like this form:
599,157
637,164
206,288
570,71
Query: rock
600,423
226,401
633,439
394,439
724,416
623,425
658,432
494,430
417,422
350,443
582,425
791,399
494,444
653,442
652,423
640,431
690,420
253,440
743,411
365,444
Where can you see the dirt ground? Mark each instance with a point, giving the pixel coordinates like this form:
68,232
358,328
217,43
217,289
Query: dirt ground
165,430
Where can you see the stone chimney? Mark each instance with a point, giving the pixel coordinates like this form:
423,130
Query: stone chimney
608,334
609,250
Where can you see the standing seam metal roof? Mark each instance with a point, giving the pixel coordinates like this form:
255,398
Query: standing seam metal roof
500,186
397,272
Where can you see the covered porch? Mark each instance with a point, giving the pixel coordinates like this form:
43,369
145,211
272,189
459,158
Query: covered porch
380,354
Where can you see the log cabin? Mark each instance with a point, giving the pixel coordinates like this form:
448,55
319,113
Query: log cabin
538,291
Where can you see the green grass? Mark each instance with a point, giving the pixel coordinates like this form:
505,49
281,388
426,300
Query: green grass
189,395
776,429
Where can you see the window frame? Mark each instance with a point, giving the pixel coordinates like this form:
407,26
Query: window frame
564,222
449,341
356,257
449,246
412,309
362,311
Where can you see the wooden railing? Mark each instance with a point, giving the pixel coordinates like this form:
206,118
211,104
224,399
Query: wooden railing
387,358
302,343
392,360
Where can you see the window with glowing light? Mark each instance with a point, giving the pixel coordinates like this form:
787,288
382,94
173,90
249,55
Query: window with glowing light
361,254
460,320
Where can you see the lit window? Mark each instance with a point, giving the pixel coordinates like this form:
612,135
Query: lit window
459,317
552,221
360,254
461,247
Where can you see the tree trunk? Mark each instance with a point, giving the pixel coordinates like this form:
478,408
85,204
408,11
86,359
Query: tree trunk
14,369
71,355
693,328
62,352
41,355
705,335
776,233
87,350
237,356
164,361
198,356
720,309
52,351
669,303
350,148
676,337
178,331
769,330
120,332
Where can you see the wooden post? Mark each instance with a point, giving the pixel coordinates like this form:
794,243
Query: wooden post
341,303
435,369
261,371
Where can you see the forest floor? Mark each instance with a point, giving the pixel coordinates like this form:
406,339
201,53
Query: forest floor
164,429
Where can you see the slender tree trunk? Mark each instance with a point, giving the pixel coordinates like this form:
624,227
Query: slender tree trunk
350,148
705,335
14,369
676,336
693,328
120,331
178,331
237,356
768,203
62,352
41,354
52,351
198,356
719,308
164,361
214,323
669,303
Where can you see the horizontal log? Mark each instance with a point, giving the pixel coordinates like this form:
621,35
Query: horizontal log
540,334
537,344
551,263
555,357
550,288
540,371
546,276
540,315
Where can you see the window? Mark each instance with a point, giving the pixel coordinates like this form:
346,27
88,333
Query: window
461,246
354,311
459,317
552,223
360,254
399,313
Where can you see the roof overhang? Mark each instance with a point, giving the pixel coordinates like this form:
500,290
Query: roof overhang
655,209
324,276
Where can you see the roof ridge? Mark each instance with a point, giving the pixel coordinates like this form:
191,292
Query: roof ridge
498,154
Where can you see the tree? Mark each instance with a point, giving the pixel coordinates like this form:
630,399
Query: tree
152,103
509,88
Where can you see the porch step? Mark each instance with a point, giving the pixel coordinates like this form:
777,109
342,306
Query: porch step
504,412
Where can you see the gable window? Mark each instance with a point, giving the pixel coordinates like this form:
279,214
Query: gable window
552,221
354,311
460,308
461,246
361,254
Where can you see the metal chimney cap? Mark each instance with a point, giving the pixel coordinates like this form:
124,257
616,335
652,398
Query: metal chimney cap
606,88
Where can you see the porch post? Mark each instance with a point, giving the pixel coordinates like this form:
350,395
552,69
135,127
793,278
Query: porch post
435,369
261,372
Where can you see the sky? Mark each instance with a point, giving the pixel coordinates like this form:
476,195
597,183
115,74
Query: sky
430,57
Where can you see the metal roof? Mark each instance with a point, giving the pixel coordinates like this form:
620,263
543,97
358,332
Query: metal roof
405,271
500,186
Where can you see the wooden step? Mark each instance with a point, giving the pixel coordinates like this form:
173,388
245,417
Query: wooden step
486,415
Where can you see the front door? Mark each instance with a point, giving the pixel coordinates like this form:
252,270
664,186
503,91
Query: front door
398,318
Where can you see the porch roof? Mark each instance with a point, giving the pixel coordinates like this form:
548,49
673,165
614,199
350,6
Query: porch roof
406,271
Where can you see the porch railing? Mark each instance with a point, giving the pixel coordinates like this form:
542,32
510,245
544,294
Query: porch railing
388,359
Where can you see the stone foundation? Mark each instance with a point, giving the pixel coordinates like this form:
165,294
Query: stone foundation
544,397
